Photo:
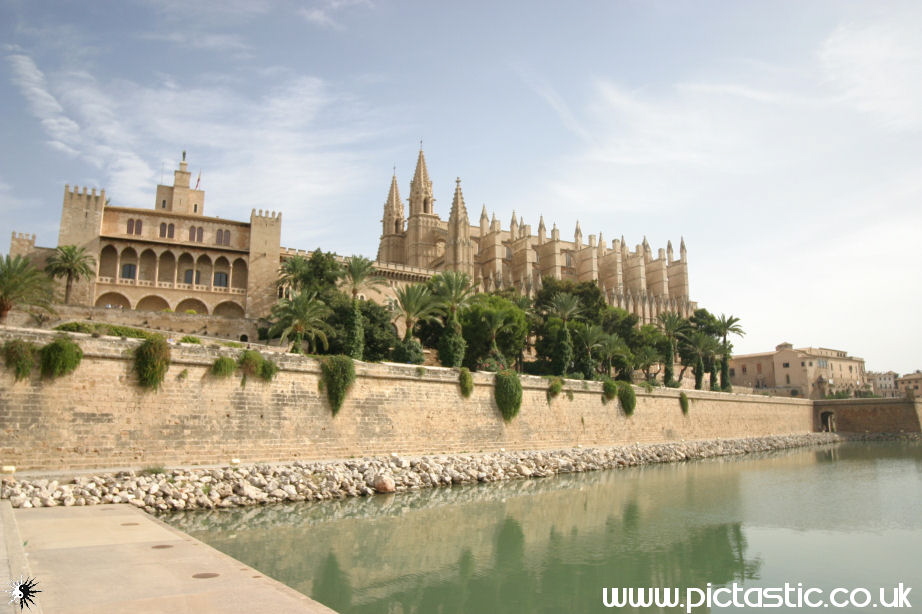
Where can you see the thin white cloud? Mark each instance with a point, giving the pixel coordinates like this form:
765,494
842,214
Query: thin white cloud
878,69
552,97
61,129
323,13
210,41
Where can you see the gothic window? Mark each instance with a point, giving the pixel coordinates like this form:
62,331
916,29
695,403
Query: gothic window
192,234
227,237
131,227
129,271
220,279
137,227
169,231
220,239
199,234
163,229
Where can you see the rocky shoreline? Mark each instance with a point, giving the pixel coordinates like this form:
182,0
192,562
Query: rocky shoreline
236,486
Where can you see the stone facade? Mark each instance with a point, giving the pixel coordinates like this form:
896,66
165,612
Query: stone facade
883,384
909,385
171,257
635,280
98,416
807,372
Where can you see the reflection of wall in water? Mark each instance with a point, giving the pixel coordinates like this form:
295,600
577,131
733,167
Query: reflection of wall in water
399,543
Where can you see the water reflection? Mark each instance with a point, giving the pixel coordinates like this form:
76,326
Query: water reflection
551,545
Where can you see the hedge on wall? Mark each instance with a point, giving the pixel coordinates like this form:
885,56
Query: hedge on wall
466,380
224,367
683,402
609,389
252,363
507,391
554,387
338,376
151,361
627,397
59,357
19,357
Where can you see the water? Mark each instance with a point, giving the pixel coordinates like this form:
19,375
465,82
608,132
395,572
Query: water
845,516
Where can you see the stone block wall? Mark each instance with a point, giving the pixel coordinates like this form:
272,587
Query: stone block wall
98,416
871,415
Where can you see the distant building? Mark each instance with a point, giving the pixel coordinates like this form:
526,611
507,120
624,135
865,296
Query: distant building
171,257
909,385
635,280
883,384
807,372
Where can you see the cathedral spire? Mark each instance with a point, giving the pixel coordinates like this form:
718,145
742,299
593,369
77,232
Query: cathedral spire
459,250
421,200
393,210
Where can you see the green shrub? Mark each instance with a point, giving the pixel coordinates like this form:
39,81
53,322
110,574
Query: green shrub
190,339
152,470
507,391
609,389
231,344
268,370
451,347
59,357
338,375
19,357
409,352
466,380
151,361
125,331
554,387
627,397
224,367
683,402
646,385
76,327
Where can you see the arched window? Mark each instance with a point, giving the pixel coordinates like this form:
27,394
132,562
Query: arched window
169,231
137,227
191,235
131,227
220,238
199,234
227,237
163,229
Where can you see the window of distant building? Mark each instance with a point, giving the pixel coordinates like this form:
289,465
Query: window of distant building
195,208
732,371
199,234
220,280
169,231
163,204
223,237
785,364
129,271
131,227
744,369
192,233
803,364
759,367
787,379
137,227
190,276
163,229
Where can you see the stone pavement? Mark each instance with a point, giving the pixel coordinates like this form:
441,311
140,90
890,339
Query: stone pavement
116,558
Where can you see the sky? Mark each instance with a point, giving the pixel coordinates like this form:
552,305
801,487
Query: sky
781,139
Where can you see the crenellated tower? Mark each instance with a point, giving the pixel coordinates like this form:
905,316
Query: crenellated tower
264,261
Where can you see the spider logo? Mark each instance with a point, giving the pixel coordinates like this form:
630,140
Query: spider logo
23,591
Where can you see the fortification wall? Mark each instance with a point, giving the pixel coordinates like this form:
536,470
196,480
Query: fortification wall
99,417
871,415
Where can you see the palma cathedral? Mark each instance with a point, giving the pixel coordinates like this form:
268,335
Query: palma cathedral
495,258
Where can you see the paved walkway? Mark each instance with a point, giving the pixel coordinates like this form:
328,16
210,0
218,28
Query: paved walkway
116,558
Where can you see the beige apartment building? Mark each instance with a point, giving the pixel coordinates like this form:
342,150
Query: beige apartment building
883,384
807,372
909,385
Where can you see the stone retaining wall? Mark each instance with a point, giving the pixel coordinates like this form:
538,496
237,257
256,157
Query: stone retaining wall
98,416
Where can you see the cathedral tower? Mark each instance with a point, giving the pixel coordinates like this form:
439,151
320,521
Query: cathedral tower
459,249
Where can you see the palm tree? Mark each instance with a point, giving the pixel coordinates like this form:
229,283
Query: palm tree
414,303
587,339
674,327
294,273
702,348
614,349
72,263
565,306
727,325
495,321
454,291
359,274
23,285
303,318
